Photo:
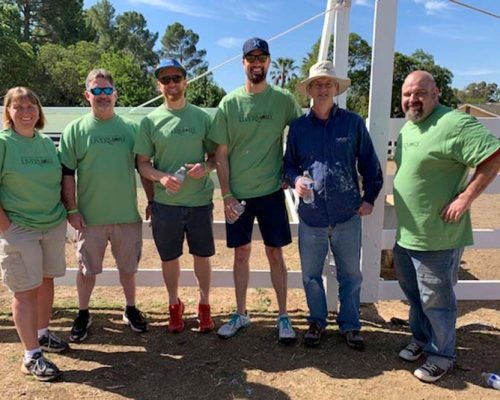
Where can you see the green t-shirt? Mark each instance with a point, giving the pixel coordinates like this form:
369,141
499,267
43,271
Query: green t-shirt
173,138
102,154
30,180
252,126
433,159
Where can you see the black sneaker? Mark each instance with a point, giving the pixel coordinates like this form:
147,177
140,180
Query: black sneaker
135,319
430,372
411,352
312,337
80,327
41,368
353,340
50,343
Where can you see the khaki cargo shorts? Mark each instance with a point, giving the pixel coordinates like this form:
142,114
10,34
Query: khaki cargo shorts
126,247
27,256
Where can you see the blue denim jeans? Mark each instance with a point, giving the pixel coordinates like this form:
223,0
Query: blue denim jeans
427,279
345,242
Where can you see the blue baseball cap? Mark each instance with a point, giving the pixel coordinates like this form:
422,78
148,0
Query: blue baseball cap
255,44
169,63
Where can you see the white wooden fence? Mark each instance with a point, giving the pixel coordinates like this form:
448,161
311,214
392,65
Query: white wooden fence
484,238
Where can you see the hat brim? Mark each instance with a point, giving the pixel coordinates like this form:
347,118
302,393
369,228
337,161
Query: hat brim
157,70
344,83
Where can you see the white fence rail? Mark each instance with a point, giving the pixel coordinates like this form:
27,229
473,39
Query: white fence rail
466,290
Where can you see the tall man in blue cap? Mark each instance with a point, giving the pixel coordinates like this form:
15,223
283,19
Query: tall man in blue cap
172,136
248,129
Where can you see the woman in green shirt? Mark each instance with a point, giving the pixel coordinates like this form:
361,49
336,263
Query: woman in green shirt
32,227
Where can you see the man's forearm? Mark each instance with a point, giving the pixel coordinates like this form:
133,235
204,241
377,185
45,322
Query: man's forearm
485,173
69,192
222,163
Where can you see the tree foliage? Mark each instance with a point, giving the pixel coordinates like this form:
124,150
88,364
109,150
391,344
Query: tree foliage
283,71
180,43
479,92
204,92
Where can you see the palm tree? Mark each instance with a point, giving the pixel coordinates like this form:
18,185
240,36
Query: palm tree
283,71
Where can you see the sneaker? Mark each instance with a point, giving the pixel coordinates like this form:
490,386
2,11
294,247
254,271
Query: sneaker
135,319
353,340
430,372
237,322
50,343
41,368
176,323
206,323
80,327
312,337
286,334
411,352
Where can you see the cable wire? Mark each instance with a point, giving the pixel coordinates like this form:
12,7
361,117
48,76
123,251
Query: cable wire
475,8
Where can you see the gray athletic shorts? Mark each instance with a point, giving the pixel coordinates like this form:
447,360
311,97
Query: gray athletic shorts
172,223
27,256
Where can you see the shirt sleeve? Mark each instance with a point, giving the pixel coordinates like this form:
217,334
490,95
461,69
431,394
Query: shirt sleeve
473,143
143,143
219,130
67,148
368,165
291,163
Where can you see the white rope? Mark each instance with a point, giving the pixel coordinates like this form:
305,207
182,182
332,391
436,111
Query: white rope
338,5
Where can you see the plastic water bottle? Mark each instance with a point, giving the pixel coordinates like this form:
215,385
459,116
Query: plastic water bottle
492,380
180,174
238,208
308,199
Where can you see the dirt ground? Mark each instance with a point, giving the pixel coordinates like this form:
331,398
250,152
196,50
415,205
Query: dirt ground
115,363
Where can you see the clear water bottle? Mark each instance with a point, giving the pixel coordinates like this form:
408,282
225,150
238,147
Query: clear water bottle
492,380
308,199
238,208
180,174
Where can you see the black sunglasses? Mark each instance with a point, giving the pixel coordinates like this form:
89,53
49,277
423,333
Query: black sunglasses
252,58
108,91
166,79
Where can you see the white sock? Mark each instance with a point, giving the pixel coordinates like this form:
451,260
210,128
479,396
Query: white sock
43,332
28,354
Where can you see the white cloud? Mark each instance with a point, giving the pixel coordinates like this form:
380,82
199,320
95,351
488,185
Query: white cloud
178,7
229,42
365,3
433,6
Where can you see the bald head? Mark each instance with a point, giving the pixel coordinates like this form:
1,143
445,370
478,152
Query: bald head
419,96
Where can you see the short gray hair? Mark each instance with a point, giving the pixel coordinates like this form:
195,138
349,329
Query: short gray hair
98,73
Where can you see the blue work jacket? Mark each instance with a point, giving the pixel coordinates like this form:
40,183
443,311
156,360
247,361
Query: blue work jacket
334,152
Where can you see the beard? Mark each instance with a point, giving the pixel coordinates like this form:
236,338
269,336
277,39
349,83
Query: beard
256,77
415,114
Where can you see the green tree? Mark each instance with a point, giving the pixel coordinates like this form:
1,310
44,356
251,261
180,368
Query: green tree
100,19
204,92
479,92
19,66
134,86
10,20
132,35
179,43
283,71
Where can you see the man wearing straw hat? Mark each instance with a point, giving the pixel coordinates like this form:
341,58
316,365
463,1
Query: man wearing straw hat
333,146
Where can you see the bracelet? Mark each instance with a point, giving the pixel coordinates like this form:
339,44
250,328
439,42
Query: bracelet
227,196
73,211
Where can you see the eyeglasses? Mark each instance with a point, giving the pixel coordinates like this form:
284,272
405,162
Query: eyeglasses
327,85
250,58
166,79
108,91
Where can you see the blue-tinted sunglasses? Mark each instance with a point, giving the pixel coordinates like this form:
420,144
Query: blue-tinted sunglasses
108,91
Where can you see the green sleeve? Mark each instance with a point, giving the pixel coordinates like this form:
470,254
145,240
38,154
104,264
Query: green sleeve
67,148
143,143
474,143
219,131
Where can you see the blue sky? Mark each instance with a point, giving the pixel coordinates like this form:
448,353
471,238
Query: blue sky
460,39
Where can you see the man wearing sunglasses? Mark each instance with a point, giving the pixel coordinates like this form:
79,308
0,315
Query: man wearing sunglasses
172,136
248,129
102,206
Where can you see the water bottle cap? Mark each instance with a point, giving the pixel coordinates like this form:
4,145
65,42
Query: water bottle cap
243,203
